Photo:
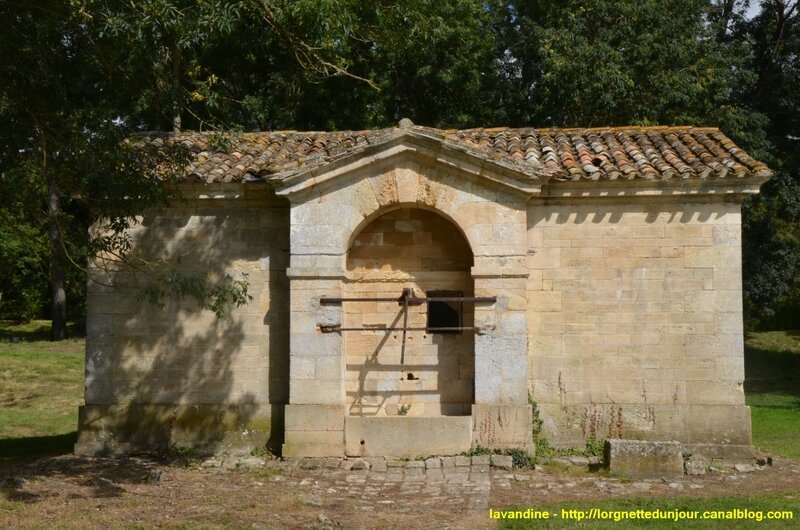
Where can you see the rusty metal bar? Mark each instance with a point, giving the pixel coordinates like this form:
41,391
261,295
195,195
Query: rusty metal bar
335,328
407,293
413,300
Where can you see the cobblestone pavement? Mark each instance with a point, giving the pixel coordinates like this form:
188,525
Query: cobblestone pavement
478,488
402,489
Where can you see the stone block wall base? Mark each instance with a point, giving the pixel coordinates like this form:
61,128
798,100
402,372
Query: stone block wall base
502,427
298,450
205,429
407,436
734,454
639,458
314,430
568,426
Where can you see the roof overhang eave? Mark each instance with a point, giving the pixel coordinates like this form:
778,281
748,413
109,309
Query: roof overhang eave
729,187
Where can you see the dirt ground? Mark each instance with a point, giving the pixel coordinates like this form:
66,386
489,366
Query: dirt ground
75,492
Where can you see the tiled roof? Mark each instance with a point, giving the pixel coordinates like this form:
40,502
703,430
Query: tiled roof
605,153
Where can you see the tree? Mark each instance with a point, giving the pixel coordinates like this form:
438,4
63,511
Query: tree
618,63
44,75
772,223
64,161
80,76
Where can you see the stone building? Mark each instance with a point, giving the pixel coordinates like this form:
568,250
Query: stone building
416,291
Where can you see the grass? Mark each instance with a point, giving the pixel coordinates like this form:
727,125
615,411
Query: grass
41,387
762,503
772,390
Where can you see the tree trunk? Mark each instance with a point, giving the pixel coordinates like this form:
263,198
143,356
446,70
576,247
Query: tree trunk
177,105
58,329
725,18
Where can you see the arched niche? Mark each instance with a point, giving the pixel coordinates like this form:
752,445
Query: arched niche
430,371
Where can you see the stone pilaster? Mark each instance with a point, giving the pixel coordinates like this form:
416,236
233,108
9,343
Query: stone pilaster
315,414
501,414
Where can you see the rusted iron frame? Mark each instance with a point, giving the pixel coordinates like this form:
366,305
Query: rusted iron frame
406,299
413,300
335,328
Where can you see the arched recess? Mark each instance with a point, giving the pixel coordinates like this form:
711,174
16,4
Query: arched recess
429,372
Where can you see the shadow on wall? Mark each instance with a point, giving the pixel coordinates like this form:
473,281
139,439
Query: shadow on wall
685,212
419,372
178,376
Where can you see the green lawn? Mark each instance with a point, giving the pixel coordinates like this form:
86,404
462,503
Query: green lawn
772,389
41,387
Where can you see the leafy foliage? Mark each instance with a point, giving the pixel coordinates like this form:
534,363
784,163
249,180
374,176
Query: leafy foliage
772,221
80,76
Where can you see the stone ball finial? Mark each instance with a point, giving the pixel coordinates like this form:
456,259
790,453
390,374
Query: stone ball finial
405,123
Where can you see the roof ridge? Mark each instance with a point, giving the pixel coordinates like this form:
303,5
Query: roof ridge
498,129
617,128
653,152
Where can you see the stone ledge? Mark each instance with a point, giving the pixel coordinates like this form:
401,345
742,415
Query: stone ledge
202,429
479,463
659,458
641,458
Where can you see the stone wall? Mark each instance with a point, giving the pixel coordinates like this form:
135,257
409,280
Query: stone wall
635,320
178,375
619,316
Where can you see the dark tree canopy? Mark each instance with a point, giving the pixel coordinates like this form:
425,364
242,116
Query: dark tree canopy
79,76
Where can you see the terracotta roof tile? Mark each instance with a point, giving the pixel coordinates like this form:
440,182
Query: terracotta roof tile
605,153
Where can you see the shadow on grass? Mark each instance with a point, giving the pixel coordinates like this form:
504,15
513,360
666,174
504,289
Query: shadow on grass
23,449
36,330
34,457
771,371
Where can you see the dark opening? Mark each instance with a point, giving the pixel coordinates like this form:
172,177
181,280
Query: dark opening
443,315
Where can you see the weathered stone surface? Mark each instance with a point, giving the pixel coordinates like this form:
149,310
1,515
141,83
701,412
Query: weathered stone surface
205,428
448,462
481,460
502,426
463,461
359,464
378,464
696,465
640,458
433,463
331,463
310,463
637,305
402,435
502,461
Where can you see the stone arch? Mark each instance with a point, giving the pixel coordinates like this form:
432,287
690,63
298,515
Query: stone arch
383,210
430,372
